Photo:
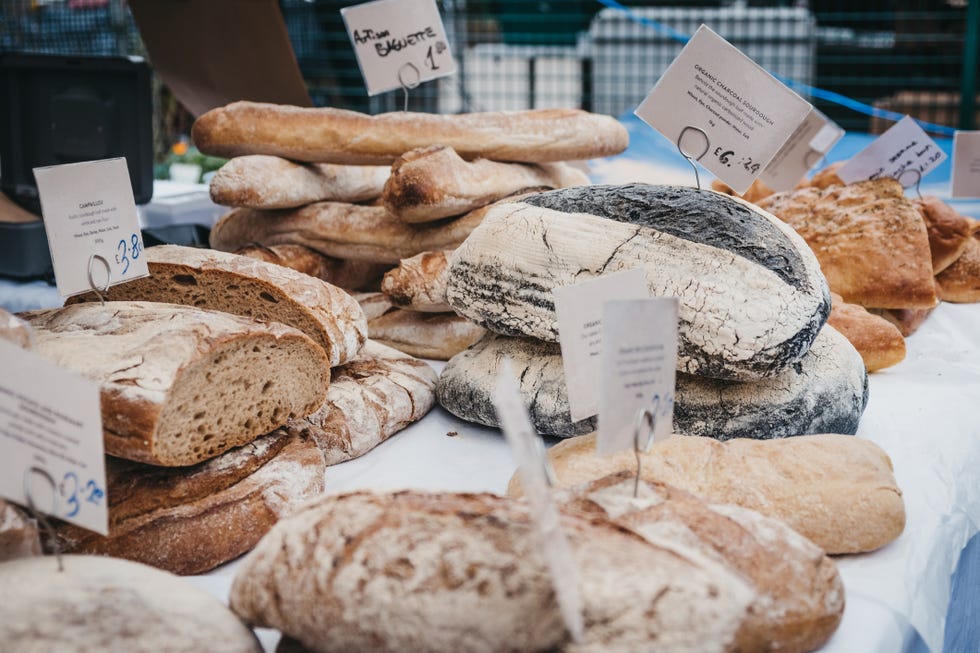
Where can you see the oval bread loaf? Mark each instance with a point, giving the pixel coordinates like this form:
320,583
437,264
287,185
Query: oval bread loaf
112,606
826,391
752,297
837,490
244,286
799,593
333,135
461,572
178,384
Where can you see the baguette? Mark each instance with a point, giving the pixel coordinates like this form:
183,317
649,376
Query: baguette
433,182
839,491
244,286
799,593
112,606
269,182
419,283
191,519
349,275
370,399
460,572
329,135
179,384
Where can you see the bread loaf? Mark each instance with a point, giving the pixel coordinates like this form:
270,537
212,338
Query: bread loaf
269,182
434,182
346,231
244,286
879,342
839,491
18,533
419,283
460,572
15,330
191,519
339,136
907,320
756,191
870,240
960,282
350,275
826,391
751,294
799,594
112,606
370,399
824,178
179,384
438,336
948,231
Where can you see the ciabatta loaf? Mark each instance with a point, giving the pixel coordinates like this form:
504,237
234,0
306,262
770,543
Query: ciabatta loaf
960,282
434,182
799,593
269,182
837,490
180,384
461,572
370,399
244,286
189,520
949,232
339,136
112,606
752,297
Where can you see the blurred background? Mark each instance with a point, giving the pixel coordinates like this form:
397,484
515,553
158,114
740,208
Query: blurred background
911,56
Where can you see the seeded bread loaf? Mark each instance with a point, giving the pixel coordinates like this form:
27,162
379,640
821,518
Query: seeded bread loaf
269,182
189,520
837,490
460,572
339,136
180,384
244,286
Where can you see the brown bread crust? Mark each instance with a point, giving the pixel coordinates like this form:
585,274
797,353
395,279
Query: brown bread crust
879,342
349,275
419,283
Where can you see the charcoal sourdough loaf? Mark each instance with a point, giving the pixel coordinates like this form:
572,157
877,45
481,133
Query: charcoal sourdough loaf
752,297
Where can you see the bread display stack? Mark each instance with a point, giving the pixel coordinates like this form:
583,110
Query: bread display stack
362,194
754,358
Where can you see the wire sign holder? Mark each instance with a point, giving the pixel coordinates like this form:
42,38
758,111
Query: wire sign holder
691,158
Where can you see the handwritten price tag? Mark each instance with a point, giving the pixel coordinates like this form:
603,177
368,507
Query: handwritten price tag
51,439
92,226
966,164
904,152
803,151
398,43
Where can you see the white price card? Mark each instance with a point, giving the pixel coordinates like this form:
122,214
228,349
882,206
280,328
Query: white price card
904,152
92,226
532,464
51,439
745,113
804,150
966,164
639,366
579,310
398,43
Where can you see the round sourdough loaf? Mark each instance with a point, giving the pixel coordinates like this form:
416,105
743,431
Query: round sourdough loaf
752,297
111,606
825,392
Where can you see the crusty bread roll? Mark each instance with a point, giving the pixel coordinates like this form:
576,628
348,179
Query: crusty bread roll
244,286
412,571
869,238
180,384
350,275
907,320
18,533
837,490
370,399
438,336
756,191
949,232
331,135
824,178
189,520
112,606
799,594
960,282
879,342
434,182
270,182
419,283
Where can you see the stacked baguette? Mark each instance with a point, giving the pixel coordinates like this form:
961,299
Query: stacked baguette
754,359
350,196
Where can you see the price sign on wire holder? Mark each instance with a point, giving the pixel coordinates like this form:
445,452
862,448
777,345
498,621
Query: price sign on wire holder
398,43
92,226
